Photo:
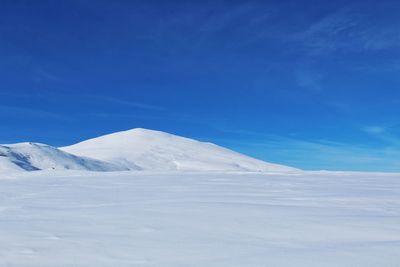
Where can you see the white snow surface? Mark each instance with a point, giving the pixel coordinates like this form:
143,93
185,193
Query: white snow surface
181,219
35,156
142,149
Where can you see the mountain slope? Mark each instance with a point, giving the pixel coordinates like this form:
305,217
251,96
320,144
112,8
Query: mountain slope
34,156
154,150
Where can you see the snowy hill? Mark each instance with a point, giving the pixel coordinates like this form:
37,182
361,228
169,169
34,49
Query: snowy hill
34,156
154,150
137,149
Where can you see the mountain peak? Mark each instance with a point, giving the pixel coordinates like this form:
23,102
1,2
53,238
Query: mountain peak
132,133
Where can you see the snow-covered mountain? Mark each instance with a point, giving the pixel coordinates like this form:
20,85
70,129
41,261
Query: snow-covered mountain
34,156
136,149
142,149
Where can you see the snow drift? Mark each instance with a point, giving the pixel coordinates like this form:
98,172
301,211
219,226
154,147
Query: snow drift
176,219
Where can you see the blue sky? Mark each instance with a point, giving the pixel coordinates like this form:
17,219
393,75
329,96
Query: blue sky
312,84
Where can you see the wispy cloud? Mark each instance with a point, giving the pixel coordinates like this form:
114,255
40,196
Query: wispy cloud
388,134
222,20
31,113
347,30
251,22
332,155
379,38
119,115
315,154
328,33
200,26
126,103
309,79
375,130
87,97
41,74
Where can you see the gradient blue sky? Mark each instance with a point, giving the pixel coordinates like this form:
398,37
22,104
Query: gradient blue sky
312,84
